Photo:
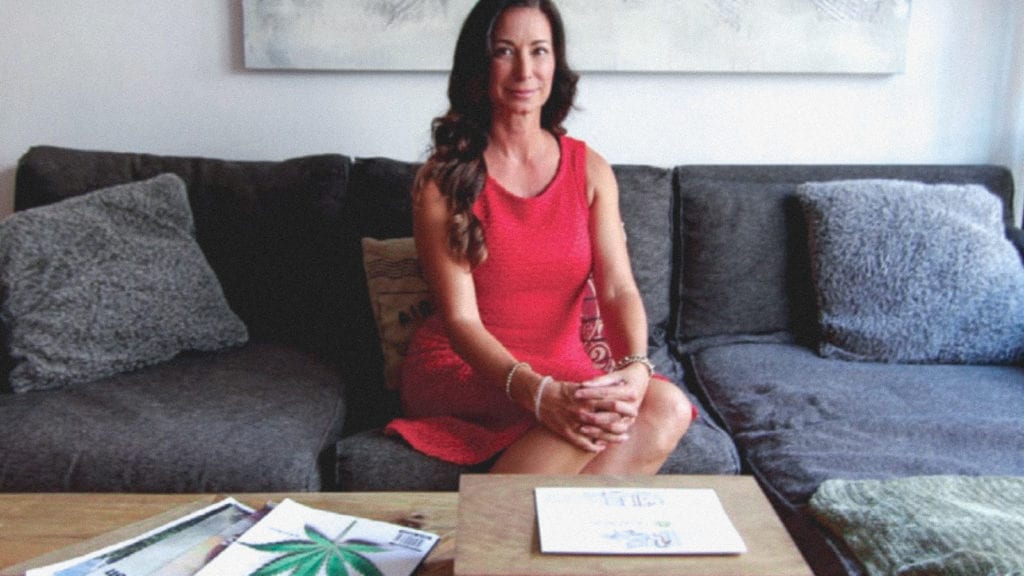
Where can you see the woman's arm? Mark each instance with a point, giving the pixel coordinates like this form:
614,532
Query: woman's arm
451,281
622,310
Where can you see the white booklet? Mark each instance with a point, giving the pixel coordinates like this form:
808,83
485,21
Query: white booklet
297,539
634,521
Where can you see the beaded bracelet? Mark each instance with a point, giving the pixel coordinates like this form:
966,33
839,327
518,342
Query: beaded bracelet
540,392
511,373
636,359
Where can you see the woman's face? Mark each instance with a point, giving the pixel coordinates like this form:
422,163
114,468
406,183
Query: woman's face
522,62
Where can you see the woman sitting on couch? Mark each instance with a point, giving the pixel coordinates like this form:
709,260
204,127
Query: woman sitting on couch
511,217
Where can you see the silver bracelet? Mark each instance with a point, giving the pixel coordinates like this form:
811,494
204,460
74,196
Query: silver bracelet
636,359
511,373
540,392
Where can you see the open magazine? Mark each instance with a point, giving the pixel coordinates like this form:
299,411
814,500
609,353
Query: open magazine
296,539
230,539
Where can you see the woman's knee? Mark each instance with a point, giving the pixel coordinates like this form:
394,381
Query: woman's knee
669,411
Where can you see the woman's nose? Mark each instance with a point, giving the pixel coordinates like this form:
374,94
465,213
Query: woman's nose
523,67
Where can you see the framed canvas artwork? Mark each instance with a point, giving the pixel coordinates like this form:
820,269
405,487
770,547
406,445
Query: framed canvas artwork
771,36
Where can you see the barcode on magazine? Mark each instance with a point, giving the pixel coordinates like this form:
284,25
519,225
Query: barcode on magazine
411,540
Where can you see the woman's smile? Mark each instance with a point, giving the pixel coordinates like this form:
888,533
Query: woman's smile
523,93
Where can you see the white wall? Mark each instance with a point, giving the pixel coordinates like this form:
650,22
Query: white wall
167,78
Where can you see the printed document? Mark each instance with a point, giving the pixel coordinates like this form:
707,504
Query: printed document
634,521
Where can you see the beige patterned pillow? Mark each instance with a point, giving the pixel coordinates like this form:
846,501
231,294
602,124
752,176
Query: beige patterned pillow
399,296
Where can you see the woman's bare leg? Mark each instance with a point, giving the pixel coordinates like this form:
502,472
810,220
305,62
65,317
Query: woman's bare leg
541,451
664,417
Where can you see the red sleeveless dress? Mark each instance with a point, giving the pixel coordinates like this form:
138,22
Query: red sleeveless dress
530,292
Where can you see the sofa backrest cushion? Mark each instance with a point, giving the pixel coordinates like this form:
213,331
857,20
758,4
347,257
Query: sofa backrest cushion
379,205
745,264
270,230
744,261
647,204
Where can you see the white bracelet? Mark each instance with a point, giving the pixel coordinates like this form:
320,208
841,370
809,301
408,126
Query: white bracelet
540,392
511,373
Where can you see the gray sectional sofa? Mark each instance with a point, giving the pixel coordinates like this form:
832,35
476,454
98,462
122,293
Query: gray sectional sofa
729,260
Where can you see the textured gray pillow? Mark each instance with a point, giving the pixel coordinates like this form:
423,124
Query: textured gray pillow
910,272
107,282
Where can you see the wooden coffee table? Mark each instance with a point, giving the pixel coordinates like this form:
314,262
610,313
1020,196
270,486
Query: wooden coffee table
39,529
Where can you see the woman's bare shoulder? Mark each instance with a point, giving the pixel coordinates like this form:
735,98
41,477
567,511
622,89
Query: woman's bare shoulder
600,176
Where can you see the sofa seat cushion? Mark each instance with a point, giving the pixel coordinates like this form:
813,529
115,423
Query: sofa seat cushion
373,461
800,419
705,449
255,418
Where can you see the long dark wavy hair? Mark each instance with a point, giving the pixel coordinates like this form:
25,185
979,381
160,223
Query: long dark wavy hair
460,136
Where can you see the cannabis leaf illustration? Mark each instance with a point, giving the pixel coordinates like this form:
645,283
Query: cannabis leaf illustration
306,557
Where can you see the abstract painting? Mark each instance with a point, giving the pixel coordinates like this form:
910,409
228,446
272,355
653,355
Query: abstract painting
792,36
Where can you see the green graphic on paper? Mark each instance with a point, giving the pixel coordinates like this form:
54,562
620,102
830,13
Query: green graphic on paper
307,557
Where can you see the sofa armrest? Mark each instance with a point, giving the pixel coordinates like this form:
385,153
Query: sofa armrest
1016,235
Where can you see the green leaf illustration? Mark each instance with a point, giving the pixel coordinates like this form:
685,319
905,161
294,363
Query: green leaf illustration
282,546
306,557
361,564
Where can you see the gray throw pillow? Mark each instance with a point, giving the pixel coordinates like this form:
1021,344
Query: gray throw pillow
107,282
916,273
